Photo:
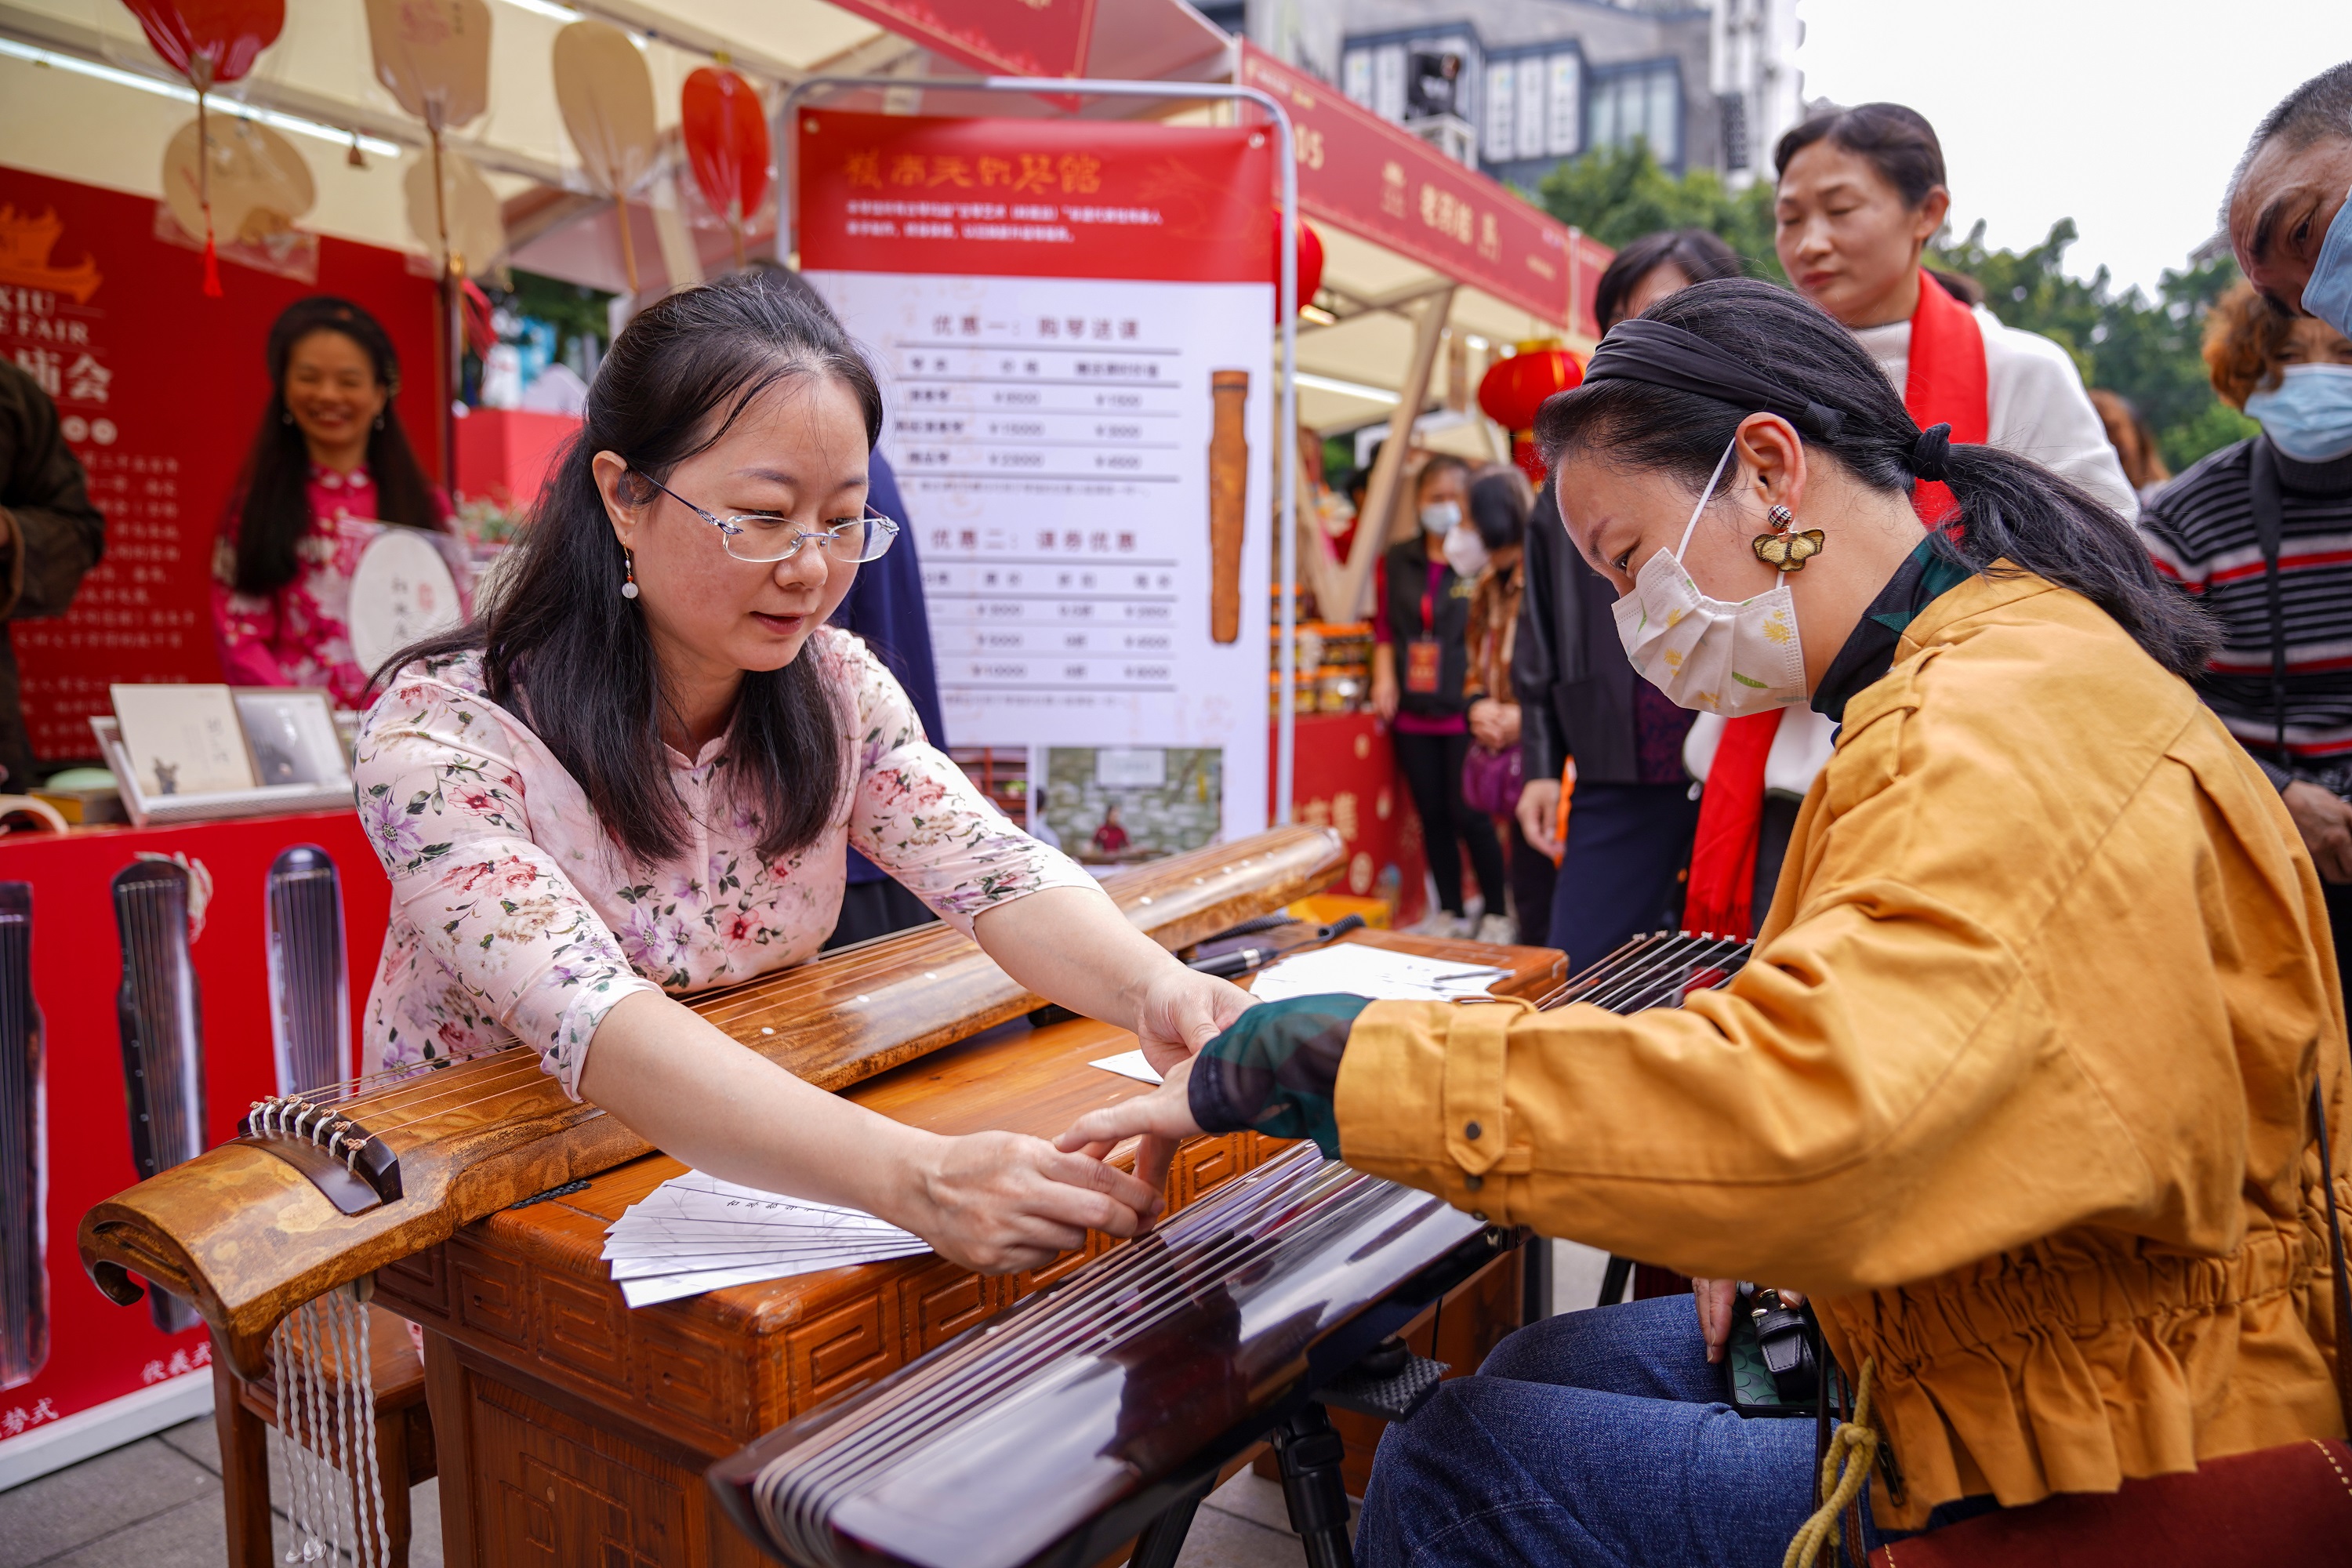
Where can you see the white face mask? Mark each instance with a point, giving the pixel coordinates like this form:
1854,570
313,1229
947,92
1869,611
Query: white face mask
1440,516
1707,654
1466,552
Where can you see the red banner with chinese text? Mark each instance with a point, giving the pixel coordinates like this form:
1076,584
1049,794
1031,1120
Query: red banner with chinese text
159,390
1381,182
1034,198
1020,38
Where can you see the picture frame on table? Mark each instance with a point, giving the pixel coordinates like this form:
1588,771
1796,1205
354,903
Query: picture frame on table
291,736
182,740
181,752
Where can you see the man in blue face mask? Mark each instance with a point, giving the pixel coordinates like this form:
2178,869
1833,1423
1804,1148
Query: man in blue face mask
2290,222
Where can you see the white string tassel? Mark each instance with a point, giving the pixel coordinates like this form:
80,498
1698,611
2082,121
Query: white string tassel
319,1546
281,1441
340,1397
373,1480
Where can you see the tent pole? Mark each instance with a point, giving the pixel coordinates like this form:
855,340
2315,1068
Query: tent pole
1388,470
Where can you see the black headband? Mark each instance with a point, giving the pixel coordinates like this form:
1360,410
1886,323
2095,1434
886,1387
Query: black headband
1656,354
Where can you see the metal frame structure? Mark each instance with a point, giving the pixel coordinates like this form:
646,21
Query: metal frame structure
1286,746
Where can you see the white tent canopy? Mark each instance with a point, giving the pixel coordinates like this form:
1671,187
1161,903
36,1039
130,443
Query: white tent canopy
83,97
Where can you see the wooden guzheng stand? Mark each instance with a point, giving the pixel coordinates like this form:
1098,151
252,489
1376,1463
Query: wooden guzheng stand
250,1229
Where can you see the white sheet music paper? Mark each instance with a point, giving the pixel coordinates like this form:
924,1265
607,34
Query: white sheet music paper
1353,968
1129,1064
696,1233
1360,969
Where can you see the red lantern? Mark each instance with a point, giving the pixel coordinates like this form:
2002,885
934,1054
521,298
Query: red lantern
1514,388
726,134
209,42
1310,264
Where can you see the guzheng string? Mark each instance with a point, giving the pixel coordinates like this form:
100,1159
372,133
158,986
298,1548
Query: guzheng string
24,1275
1291,1190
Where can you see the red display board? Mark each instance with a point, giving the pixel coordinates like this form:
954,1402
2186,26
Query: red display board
1034,198
159,390
1379,181
1346,777
97,1350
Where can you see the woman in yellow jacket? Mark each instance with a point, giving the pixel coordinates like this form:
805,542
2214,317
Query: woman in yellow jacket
2019,1085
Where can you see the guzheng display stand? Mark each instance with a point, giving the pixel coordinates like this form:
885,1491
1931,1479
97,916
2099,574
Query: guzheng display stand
571,1429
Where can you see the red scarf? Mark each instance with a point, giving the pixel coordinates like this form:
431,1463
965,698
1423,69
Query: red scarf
1946,384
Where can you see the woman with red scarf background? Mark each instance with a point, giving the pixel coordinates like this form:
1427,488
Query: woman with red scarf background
1861,194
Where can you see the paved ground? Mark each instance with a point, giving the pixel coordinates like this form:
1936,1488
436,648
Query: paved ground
156,1503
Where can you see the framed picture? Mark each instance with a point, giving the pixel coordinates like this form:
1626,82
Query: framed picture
182,740
291,735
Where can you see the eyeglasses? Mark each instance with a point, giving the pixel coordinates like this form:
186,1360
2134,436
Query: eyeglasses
764,539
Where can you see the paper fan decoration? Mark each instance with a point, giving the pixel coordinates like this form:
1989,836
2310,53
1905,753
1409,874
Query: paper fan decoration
210,42
606,95
258,183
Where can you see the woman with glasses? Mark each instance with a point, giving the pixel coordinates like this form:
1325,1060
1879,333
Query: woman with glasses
634,775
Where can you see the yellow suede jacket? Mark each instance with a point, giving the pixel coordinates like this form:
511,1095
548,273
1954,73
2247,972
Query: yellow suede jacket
2016,1084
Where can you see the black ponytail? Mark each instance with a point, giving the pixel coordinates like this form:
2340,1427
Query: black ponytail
2013,509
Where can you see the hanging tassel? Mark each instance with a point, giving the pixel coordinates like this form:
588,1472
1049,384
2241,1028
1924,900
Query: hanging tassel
205,186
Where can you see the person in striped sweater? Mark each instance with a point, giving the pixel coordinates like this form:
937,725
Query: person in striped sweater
2293,374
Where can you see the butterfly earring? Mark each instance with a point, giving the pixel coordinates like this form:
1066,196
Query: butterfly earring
1785,547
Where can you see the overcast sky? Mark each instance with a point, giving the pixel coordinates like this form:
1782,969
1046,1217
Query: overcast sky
2124,115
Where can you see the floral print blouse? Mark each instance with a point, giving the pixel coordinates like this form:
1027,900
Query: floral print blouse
299,636
514,917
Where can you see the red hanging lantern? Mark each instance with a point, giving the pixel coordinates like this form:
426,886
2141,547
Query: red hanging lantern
1514,388
210,42
726,134
1310,264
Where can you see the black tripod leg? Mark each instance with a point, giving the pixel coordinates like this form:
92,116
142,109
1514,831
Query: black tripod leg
1310,1452
1162,1539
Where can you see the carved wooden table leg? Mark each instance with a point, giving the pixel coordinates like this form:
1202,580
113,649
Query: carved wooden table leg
444,1394
245,1470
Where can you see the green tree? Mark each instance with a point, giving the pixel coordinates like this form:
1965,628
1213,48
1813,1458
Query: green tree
1619,193
2146,349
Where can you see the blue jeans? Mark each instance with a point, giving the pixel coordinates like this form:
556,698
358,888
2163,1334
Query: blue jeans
1595,1438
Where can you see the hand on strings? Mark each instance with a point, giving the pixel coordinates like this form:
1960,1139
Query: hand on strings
1182,1010
1717,1300
998,1202
1162,1119
1539,814
2325,824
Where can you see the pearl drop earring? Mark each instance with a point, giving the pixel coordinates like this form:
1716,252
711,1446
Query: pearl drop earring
629,584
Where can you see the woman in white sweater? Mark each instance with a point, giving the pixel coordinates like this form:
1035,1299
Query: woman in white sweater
1861,194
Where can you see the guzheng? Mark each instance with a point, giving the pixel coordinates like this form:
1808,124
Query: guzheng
327,1185
23,1220
309,992
161,1024
1060,1428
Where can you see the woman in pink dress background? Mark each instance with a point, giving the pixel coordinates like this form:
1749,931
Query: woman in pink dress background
329,465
